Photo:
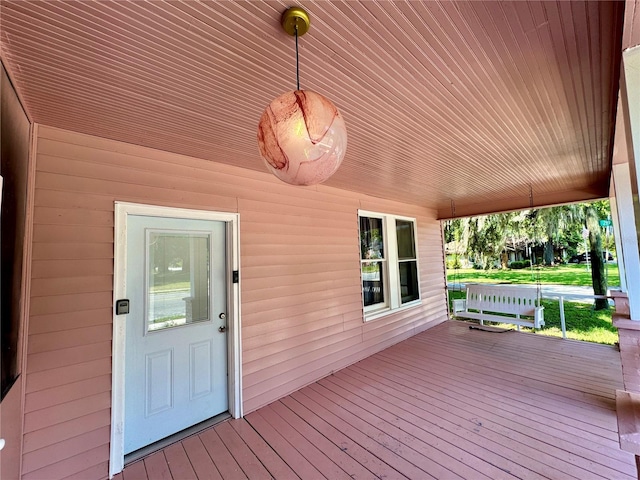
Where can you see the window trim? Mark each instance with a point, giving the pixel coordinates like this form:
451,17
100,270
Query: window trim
391,280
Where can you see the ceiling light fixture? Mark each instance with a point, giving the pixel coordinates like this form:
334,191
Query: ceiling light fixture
302,136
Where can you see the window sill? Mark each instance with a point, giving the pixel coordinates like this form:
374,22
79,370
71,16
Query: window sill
387,311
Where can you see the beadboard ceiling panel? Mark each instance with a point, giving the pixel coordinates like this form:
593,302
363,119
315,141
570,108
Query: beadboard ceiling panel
482,106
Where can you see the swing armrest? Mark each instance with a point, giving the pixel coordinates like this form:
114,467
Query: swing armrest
459,305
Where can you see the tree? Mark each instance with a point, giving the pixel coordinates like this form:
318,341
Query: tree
556,228
488,236
548,226
593,213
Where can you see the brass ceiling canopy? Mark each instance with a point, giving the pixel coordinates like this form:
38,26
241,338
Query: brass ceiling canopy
295,16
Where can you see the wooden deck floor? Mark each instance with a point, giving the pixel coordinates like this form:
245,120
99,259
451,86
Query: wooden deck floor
449,403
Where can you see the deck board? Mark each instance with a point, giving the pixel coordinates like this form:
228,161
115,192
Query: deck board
135,471
200,460
276,466
327,467
242,454
179,463
522,420
157,466
318,420
222,458
339,457
422,454
490,391
449,403
489,425
303,468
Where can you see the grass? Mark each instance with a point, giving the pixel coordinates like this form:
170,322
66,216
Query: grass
171,287
571,274
582,321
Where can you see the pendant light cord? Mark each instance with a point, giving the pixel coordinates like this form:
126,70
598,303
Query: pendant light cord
297,61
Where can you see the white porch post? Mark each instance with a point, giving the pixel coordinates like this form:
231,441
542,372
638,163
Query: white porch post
631,67
626,180
626,183
626,211
617,235
627,240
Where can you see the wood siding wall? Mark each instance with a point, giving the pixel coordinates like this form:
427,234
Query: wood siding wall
300,284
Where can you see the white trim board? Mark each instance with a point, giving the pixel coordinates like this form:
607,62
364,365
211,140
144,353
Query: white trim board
122,210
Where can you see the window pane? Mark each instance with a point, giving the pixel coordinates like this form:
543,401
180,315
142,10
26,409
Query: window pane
406,246
409,281
371,244
178,279
372,283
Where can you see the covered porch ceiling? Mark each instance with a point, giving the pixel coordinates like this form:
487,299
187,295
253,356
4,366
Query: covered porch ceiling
489,105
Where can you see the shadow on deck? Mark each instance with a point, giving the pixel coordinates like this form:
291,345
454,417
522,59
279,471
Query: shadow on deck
448,403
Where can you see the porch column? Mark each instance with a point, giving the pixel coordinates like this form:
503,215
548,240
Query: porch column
617,234
626,213
627,249
626,179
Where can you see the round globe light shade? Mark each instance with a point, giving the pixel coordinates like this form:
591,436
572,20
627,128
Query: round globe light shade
302,138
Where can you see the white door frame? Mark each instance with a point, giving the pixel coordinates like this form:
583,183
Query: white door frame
122,210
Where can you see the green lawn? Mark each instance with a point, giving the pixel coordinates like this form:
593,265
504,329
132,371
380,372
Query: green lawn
171,287
571,274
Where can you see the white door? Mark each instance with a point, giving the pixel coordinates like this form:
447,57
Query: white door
176,345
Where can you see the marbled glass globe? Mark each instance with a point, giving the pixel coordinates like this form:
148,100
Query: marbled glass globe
302,138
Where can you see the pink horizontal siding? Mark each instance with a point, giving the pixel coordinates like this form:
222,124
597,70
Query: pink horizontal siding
300,283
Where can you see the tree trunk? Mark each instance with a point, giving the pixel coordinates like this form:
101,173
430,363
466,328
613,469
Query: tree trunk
504,260
548,253
598,277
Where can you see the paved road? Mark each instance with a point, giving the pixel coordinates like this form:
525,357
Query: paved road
165,304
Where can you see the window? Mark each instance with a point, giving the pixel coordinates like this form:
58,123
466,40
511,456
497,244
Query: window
178,279
388,262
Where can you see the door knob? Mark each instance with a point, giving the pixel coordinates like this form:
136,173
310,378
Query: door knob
222,329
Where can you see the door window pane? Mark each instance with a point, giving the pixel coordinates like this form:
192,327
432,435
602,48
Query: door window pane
406,245
371,243
408,281
372,283
178,278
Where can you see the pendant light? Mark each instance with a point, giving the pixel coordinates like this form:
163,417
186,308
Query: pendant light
301,135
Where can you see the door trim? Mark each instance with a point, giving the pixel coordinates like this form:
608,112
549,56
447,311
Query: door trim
234,347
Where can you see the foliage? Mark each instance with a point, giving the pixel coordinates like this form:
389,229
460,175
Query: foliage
546,236
518,264
487,238
453,262
453,230
561,225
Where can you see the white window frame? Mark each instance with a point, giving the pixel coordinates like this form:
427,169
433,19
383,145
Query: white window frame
391,280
